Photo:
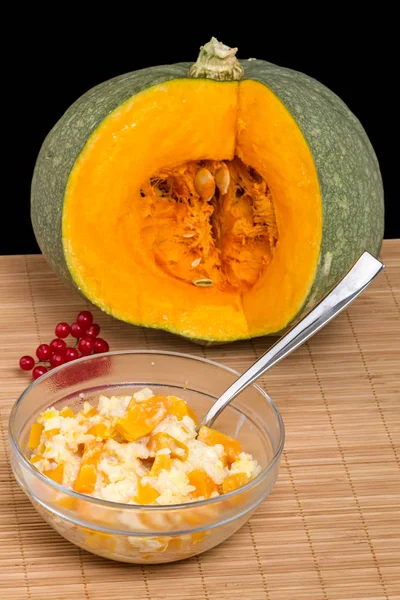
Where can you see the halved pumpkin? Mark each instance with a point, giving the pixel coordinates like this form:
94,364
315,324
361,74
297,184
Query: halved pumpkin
217,204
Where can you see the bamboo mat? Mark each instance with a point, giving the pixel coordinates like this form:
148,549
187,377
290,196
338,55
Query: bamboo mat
331,527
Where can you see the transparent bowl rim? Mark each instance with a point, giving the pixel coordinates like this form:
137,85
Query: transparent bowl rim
134,507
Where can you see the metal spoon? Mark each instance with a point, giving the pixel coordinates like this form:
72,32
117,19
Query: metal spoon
364,270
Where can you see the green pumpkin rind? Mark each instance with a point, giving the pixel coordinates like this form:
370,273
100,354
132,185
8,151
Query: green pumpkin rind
347,167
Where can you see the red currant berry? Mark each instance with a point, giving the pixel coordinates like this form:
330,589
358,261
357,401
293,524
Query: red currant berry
43,352
92,331
38,371
71,354
100,345
26,363
56,360
77,330
58,346
86,346
85,318
62,330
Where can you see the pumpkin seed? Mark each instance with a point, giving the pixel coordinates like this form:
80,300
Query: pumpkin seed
188,235
205,184
196,262
203,282
223,179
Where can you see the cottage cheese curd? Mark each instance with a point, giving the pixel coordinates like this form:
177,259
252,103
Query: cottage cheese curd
140,449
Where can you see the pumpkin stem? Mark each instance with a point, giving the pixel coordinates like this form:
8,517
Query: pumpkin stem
217,61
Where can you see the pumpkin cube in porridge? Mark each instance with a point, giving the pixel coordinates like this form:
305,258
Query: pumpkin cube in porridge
211,437
35,435
162,441
101,430
141,418
234,481
162,461
147,494
203,483
55,474
87,475
67,412
179,408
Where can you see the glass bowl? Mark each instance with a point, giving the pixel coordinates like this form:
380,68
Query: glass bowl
148,534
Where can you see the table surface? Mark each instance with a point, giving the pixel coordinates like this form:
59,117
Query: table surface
331,527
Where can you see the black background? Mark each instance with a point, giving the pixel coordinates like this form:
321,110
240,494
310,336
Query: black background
59,58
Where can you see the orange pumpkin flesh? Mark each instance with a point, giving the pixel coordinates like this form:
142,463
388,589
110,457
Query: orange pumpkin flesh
134,180
203,484
233,482
87,475
211,437
55,474
160,441
34,435
141,418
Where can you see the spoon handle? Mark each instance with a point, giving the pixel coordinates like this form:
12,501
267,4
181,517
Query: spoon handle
364,270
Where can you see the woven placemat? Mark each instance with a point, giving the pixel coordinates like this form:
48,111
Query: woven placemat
331,527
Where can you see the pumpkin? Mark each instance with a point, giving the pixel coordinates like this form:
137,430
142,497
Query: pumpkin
87,474
217,200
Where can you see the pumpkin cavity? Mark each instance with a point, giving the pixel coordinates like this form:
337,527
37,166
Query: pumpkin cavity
210,223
